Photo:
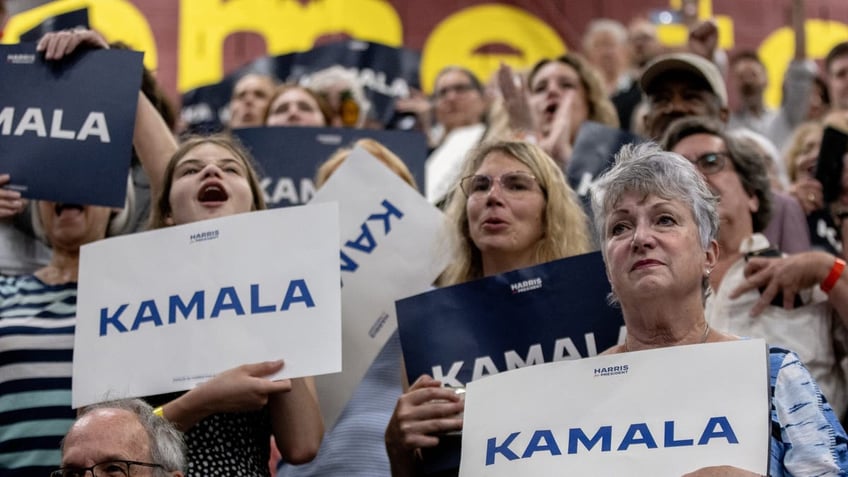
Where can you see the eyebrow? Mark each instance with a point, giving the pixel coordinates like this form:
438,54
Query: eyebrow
222,160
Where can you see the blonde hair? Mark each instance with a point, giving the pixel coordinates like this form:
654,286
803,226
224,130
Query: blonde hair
566,231
796,146
381,152
600,106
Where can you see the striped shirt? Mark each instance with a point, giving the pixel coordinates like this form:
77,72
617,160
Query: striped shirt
36,349
355,447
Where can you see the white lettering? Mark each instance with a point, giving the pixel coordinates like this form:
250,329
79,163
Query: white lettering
94,125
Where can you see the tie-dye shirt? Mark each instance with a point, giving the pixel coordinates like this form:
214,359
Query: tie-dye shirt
806,437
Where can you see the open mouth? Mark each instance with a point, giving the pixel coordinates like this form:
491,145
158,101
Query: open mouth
212,193
551,108
60,207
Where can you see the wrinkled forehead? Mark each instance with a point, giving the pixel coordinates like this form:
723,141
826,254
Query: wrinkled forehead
105,434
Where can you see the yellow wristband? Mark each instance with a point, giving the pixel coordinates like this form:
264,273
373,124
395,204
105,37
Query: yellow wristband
159,411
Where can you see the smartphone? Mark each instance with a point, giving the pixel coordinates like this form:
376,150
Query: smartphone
774,253
829,164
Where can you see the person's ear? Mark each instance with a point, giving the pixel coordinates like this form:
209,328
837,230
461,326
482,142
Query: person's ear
712,254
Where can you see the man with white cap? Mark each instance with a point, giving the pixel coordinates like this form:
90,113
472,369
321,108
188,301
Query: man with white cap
679,85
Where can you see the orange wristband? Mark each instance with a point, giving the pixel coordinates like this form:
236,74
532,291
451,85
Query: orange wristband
835,272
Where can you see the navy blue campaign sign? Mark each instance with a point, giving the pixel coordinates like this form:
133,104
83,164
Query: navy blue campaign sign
549,312
385,72
66,126
288,157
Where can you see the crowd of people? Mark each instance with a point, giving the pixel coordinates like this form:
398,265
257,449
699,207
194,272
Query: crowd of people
717,227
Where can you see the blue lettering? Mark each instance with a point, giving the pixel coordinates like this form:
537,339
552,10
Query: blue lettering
147,311
175,303
631,439
363,243
576,435
493,448
232,304
669,437
304,296
114,320
536,445
711,431
255,307
390,210
348,265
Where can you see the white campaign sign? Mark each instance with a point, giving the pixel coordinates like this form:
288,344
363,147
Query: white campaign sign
391,247
165,310
663,412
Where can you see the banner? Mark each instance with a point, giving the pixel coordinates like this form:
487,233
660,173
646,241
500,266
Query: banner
191,301
550,312
664,412
289,156
385,72
66,126
391,247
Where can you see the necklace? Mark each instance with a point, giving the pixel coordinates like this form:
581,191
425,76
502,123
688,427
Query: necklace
703,338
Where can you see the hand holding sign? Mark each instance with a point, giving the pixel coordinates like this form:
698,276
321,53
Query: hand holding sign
721,471
424,411
240,389
59,44
10,200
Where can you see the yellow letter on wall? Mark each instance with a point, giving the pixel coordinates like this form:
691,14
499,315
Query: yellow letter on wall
455,39
286,25
777,50
115,19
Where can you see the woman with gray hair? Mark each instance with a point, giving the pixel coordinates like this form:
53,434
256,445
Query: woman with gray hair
657,222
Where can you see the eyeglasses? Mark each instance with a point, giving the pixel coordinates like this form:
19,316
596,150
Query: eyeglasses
512,183
711,162
456,88
113,468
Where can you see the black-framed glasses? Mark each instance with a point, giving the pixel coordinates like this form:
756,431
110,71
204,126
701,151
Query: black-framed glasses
112,468
512,183
711,162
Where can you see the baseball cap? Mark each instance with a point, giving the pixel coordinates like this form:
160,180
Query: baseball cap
689,62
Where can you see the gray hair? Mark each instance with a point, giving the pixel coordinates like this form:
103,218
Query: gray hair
748,161
604,25
648,170
167,447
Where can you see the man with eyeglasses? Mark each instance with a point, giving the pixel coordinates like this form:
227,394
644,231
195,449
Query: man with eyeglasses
682,85
811,324
121,439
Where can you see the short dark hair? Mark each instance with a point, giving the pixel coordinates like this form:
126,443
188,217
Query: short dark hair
742,55
840,50
749,163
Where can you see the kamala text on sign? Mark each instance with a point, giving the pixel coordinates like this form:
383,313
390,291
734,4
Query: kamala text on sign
227,299
544,440
563,349
365,243
32,121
